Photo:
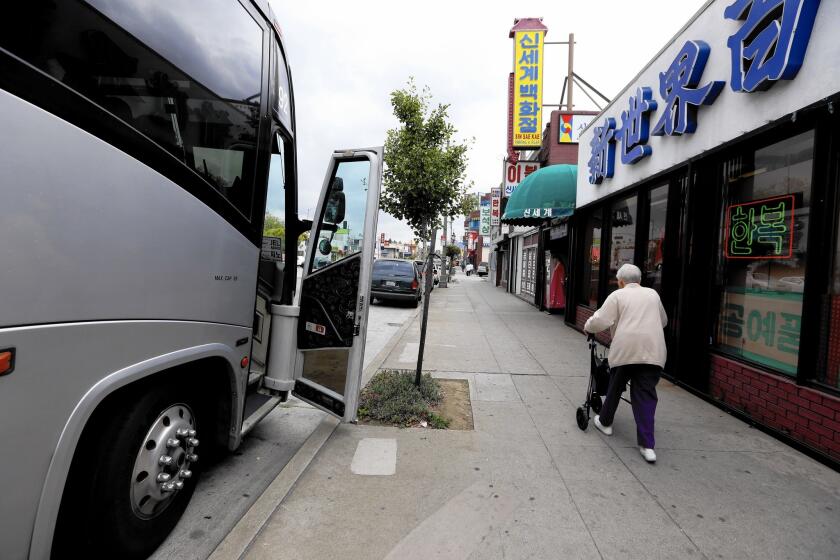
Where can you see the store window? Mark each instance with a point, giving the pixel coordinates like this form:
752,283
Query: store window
657,212
592,260
762,252
529,265
622,237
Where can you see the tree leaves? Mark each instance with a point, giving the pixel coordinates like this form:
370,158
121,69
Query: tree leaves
424,177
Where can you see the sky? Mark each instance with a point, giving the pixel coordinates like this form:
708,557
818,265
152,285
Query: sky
347,57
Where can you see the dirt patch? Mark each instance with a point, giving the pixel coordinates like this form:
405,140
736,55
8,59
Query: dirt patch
456,406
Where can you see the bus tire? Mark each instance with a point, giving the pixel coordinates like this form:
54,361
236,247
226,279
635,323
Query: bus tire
116,504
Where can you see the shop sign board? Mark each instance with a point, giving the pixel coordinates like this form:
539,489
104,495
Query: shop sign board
571,125
762,327
527,88
484,229
495,206
272,249
515,172
721,75
558,231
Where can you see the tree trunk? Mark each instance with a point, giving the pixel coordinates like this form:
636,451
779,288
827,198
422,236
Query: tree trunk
444,273
426,296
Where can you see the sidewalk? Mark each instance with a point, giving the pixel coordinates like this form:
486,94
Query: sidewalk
526,483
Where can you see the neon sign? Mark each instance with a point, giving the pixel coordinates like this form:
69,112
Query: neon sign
760,229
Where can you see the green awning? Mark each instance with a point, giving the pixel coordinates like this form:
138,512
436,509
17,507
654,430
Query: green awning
544,194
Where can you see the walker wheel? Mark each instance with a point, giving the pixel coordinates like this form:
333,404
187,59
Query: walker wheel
595,403
582,420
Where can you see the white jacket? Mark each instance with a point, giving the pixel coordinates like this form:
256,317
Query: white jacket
635,317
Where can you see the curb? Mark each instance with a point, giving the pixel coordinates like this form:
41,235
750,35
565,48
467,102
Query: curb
247,529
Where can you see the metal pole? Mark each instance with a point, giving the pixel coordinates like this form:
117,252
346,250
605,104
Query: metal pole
569,104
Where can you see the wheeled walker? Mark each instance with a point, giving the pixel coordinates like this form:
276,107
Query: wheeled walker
599,382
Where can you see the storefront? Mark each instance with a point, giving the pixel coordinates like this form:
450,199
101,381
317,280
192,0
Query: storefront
556,255
539,209
716,172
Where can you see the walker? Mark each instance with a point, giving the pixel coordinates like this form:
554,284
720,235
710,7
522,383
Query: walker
599,381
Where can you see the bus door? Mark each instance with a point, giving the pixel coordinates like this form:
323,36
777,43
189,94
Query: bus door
330,318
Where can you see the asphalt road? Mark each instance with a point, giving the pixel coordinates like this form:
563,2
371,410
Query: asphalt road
226,490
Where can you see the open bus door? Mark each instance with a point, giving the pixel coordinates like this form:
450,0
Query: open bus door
317,346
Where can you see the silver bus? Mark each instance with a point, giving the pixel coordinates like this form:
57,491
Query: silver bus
146,321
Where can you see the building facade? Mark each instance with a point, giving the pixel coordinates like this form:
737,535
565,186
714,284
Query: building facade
716,172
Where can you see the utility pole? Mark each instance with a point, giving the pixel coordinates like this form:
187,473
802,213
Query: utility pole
570,78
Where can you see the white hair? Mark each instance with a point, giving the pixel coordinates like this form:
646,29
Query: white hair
629,274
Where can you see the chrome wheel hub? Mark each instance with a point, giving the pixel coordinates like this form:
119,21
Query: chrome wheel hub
163,461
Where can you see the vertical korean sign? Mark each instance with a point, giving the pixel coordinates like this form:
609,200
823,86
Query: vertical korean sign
527,88
495,206
485,216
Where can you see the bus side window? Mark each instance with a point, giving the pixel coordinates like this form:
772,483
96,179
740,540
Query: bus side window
162,69
274,227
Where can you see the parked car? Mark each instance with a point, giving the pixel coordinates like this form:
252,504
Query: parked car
396,280
421,267
482,269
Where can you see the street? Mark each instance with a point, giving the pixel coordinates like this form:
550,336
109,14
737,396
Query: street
227,489
527,483
635,356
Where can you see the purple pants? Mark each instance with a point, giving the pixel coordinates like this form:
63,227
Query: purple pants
643,398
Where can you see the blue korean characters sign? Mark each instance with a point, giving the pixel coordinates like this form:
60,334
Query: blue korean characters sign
734,68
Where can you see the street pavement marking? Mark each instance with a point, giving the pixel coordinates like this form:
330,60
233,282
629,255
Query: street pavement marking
375,457
456,529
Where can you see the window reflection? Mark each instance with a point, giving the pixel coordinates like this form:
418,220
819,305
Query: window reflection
341,231
162,68
591,269
761,272
658,206
622,237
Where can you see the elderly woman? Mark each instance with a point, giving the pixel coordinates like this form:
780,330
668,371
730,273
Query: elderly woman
635,317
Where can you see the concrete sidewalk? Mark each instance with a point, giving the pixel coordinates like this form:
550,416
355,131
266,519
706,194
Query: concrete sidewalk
527,483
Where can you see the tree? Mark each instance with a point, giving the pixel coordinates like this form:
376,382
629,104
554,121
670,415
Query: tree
452,250
275,227
424,177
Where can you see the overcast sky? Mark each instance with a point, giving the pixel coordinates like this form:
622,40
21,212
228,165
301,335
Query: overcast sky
347,57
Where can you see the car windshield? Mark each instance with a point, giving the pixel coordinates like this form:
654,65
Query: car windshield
483,264
393,268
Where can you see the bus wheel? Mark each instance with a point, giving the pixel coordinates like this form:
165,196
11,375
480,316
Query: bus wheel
144,470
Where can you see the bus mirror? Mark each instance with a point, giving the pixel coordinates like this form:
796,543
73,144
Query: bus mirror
334,213
324,247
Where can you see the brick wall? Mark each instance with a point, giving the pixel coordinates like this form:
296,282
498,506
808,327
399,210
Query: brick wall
833,363
805,414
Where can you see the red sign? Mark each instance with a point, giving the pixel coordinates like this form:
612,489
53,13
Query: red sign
515,172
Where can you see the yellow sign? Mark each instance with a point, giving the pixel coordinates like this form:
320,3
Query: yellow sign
527,88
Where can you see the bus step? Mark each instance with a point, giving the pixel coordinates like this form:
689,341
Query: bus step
266,405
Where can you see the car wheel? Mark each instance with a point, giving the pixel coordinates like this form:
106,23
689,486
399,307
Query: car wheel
134,476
